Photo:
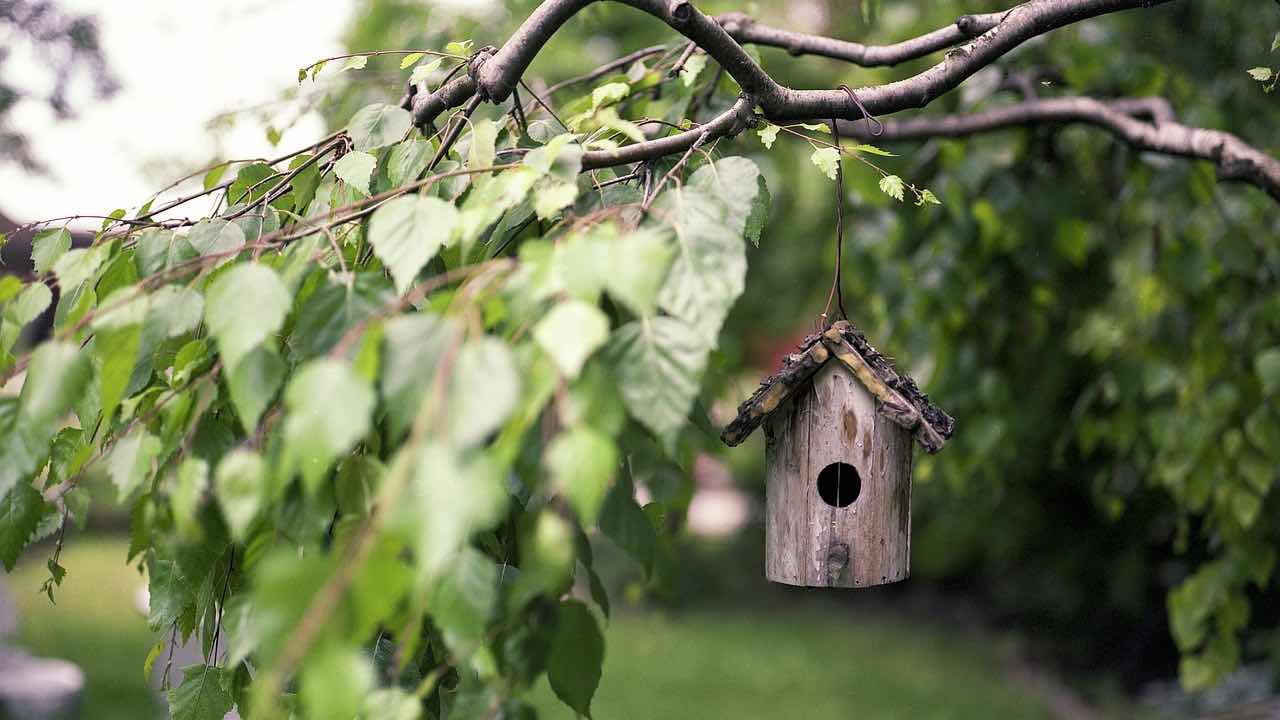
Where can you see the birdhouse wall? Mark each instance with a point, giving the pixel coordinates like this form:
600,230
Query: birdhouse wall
808,540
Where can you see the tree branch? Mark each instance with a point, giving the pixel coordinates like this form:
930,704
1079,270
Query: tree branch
748,31
730,122
493,76
1234,160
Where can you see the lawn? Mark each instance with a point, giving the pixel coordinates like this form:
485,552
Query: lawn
814,661
95,624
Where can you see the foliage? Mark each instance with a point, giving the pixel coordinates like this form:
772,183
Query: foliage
390,434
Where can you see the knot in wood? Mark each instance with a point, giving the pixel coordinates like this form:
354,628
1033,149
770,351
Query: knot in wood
478,59
837,560
681,10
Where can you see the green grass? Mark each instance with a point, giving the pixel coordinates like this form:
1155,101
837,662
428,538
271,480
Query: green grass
95,624
815,663
809,659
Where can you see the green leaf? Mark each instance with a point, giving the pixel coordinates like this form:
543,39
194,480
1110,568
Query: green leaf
1275,42
639,263
449,498
356,169
23,447
464,600
378,125
76,266
240,486
1261,74
1267,365
21,510
609,94
407,161
423,72
130,461
927,198
115,352
214,176
415,346
1246,506
692,67
329,407
175,310
624,522
410,59
659,368
710,215
483,390
490,197
152,655
759,214
407,232
243,307
357,62
28,304
335,308
559,157
191,481
10,286
47,246
484,136
892,186
582,463
547,556
577,656
55,381
827,159
570,333
252,182
551,197
768,135
253,384
335,681
215,237
201,695
871,150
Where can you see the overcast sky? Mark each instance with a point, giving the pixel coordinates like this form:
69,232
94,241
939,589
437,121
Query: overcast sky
179,63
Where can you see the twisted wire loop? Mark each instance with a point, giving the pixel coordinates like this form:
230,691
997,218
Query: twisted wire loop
867,117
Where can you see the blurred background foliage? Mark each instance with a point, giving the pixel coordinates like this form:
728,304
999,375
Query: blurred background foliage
1104,324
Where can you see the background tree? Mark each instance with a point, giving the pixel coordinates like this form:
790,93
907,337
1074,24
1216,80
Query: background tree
273,405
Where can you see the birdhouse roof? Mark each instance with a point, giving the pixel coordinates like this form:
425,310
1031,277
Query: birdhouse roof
898,397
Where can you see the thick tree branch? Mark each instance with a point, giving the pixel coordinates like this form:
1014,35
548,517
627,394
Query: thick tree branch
1233,159
495,75
729,122
747,31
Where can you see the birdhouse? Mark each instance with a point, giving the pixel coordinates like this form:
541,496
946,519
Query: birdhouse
839,423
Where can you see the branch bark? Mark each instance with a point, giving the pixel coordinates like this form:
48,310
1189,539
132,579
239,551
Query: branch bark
1234,160
748,31
494,76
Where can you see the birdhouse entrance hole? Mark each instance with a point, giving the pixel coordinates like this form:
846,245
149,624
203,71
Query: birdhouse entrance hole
839,484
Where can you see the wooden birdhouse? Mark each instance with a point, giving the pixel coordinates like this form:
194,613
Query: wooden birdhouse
839,423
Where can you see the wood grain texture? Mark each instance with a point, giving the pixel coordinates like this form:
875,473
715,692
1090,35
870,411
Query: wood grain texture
811,543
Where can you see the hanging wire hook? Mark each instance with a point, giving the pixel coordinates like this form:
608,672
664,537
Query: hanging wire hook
837,292
866,116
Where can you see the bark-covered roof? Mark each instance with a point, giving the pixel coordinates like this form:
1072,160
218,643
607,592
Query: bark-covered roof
899,399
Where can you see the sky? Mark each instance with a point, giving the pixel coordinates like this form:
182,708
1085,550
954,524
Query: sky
179,64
